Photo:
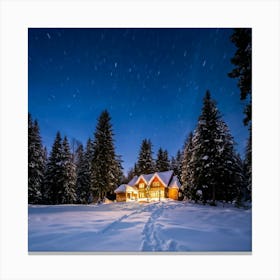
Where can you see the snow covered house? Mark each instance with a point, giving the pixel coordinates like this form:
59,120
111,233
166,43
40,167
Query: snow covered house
150,186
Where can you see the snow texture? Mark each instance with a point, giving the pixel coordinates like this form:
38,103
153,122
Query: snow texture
199,192
132,227
175,183
126,188
165,176
133,181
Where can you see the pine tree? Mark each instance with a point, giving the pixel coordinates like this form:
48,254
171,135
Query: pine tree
68,194
205,150
248,166
162,161
214,164
229,167
79,158
105,175
176,164
53,183
130,175
136,170
75,145
45,155
120,178
242,38
240,180
145,164
43,190
84,175
36,162
166,161
187,170
78,155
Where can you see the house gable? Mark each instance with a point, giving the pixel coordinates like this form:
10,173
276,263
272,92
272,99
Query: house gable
174,183
155,180
142,184
142,179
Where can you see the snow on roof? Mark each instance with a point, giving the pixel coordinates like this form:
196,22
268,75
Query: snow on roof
145,177
165,177
148,177
175,183
133,181
125,188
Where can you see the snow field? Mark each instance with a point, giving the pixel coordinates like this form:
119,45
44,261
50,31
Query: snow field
170,226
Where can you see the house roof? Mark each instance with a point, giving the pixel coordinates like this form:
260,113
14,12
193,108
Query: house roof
175,183
133,181
146,177
125,188
165,177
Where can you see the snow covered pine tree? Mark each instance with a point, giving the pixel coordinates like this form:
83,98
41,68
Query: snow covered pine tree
213,157
162,161
36,162
242,60
84,175
105,165
176,164
145,164
187,170
69,174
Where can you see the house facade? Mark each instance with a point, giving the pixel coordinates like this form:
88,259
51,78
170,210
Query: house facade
153,186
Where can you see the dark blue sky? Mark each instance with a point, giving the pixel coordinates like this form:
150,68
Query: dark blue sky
152,82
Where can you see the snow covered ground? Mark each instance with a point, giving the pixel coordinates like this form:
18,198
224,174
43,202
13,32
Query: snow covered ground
132,227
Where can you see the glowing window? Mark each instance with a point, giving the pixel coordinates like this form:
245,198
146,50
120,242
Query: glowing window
141,185
156,184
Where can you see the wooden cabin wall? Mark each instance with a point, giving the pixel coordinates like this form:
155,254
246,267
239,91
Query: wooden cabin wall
121,197
173,193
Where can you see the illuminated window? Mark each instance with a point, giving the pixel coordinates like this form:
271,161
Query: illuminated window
141,195
156,184
141,185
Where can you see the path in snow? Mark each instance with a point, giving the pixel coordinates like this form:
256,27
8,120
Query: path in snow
151,240
125,218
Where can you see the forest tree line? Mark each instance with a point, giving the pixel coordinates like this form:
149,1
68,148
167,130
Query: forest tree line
207,166
81,174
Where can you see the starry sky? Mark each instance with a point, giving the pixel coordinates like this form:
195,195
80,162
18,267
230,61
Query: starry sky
152,82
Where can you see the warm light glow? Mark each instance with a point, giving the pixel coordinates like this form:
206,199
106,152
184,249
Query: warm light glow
156,184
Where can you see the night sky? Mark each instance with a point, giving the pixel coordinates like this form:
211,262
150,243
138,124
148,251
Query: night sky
152,82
